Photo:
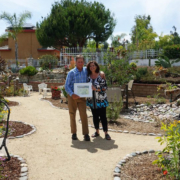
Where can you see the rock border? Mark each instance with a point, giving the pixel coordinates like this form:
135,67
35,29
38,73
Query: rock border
24,168
117,170
126,132
21,136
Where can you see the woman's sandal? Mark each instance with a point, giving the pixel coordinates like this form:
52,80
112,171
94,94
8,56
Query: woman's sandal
107,136
95,134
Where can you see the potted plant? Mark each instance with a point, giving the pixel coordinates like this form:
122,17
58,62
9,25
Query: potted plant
169,89
56,92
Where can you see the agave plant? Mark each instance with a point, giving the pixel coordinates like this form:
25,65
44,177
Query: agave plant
165,62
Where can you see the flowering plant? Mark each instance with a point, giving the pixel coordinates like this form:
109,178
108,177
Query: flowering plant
159,70
55,88
3,114
170,164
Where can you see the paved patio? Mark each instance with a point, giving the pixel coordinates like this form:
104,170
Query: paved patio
52,155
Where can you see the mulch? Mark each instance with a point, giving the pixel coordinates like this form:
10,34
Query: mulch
141,168
10,170
17,128
12,103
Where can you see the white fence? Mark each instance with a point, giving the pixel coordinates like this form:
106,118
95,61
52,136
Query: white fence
146,54
67,54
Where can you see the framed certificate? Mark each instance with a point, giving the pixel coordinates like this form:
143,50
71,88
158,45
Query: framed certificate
83,89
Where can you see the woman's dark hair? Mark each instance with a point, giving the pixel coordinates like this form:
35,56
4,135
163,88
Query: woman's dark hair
88,67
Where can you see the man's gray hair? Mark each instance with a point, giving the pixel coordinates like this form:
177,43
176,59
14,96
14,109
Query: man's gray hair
79,56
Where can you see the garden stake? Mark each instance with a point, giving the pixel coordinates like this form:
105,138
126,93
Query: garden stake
126,96
5,136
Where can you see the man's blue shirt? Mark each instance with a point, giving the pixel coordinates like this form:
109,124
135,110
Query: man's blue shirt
75,76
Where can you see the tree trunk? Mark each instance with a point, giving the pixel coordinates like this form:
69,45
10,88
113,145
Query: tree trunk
16,55
96,45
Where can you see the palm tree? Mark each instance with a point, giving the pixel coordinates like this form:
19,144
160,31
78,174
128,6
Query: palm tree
16,26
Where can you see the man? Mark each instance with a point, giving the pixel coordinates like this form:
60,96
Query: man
77,75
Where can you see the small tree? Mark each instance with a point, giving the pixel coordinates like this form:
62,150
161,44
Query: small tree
117,71
114,109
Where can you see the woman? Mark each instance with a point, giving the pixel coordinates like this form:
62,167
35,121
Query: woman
98,102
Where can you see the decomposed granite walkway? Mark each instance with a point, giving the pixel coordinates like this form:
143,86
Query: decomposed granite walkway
52,155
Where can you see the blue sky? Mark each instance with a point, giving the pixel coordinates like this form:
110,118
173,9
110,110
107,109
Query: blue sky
164,13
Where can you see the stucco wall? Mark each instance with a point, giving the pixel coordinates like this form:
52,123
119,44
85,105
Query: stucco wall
28,46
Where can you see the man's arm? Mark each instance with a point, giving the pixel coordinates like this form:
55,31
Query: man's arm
68,86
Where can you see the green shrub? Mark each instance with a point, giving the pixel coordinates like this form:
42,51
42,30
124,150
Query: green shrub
114,109
172,51
28,71
48,61
141,72
159,100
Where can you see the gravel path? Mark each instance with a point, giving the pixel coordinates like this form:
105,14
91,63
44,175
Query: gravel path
52,155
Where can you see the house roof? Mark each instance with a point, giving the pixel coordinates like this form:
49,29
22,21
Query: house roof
48,49
5,48
25,26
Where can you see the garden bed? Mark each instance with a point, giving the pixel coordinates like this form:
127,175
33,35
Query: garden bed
132,126
141,168
16,128
10,170
12,103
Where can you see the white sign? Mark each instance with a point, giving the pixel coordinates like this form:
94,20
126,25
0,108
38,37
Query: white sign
83,89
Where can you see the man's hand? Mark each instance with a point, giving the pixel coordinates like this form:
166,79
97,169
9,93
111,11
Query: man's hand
93,88
74,96
102,75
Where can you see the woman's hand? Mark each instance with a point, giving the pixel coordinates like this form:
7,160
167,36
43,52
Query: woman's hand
102,75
